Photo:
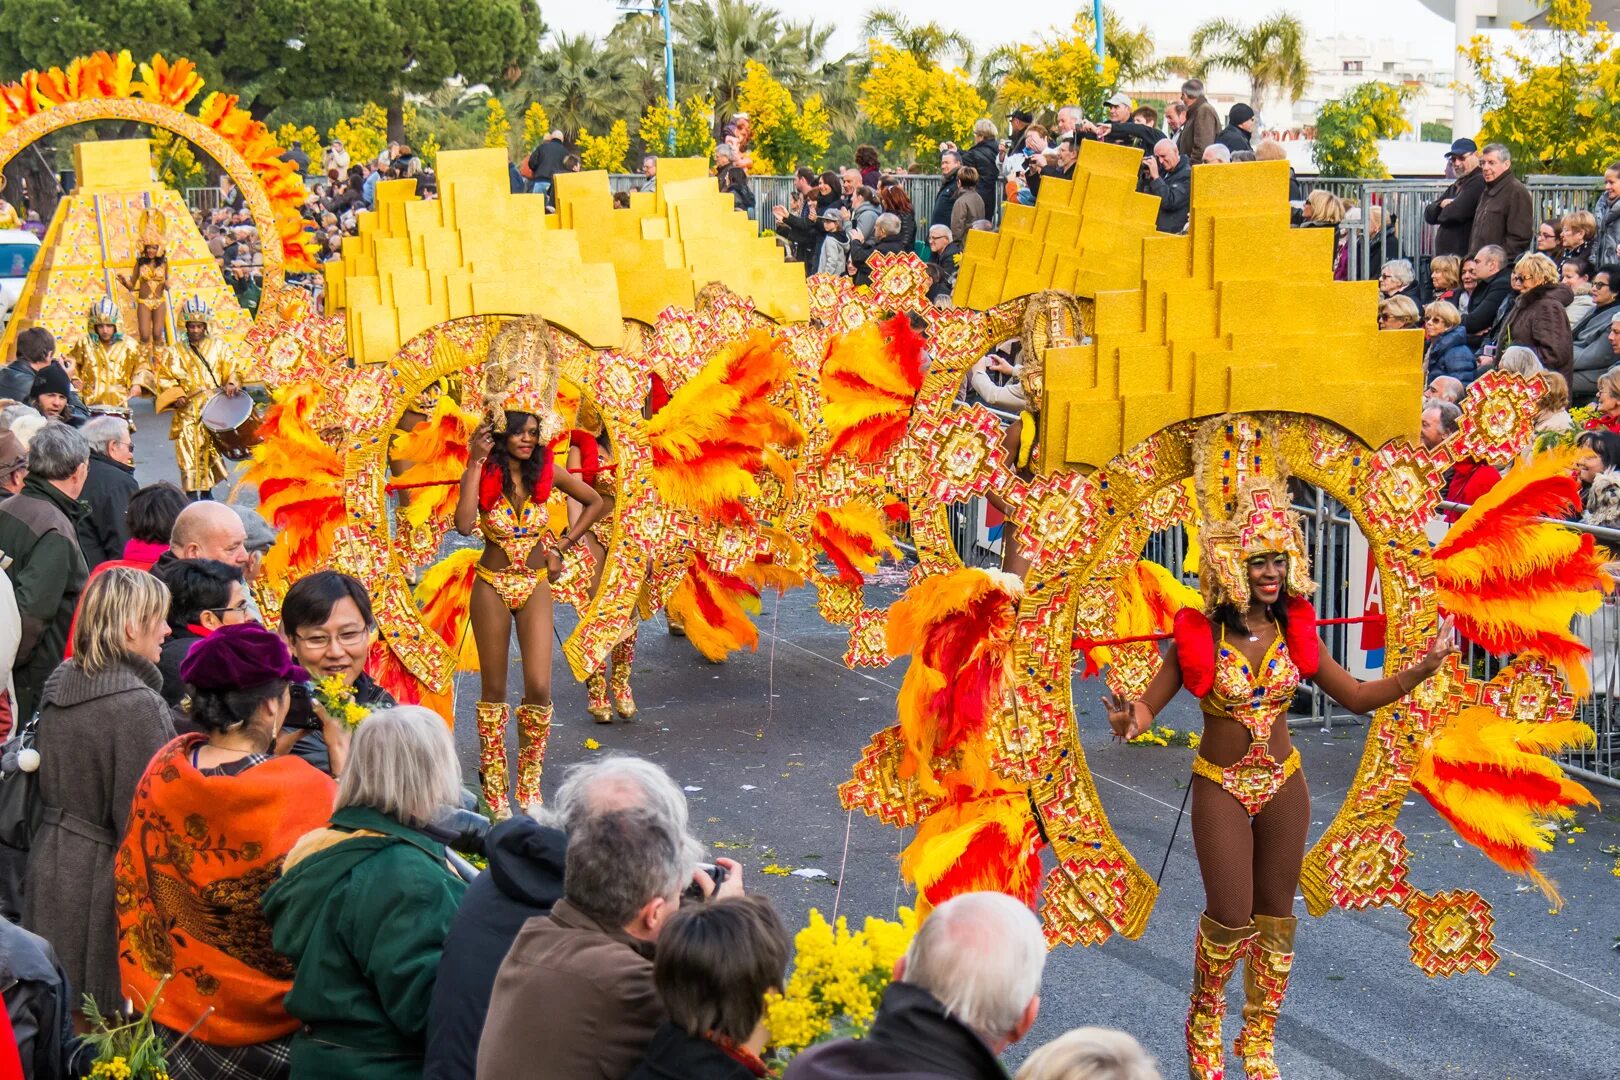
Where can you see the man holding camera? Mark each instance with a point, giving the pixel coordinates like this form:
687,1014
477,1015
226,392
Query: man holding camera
575,995
1169,176
527,857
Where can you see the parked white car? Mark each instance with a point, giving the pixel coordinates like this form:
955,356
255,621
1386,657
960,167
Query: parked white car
17,250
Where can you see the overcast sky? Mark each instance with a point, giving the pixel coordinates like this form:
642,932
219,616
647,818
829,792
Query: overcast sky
985,23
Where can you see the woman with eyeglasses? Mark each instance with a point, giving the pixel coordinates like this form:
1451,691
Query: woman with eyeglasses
1446,350
1593,353
327,621
1398,313
1547,238
204,595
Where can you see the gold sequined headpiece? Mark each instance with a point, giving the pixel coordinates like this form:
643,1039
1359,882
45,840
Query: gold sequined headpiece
521,376
1053,319
153,229
1245,506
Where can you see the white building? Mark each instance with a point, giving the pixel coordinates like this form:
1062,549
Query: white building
1340,64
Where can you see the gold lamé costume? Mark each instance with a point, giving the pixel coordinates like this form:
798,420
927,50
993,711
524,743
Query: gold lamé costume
109,374
198,371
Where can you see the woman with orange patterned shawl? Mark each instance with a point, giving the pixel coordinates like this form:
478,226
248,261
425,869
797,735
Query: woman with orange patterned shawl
1243,660
509,475
212,820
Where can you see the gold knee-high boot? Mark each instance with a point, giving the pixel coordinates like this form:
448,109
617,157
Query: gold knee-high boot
534,727
492,717
624,655
1268,960
596,696
1216,952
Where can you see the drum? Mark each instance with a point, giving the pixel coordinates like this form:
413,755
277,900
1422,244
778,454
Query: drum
112,410
234,424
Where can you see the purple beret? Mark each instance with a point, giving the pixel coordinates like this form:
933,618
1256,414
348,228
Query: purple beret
239,657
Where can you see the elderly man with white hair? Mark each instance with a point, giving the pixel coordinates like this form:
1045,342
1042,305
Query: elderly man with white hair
968,988
525,880
107,488
1216,154
1444,388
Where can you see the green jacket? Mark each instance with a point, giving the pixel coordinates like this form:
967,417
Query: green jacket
363,920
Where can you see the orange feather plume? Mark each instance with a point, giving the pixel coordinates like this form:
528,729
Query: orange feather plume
958,629
444,594
1512,581
1493,781
855,536
437,451
300,482
869,384
715,608
984,842
713,436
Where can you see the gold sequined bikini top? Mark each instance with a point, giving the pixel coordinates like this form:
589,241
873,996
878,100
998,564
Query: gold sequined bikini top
515,532
1253,699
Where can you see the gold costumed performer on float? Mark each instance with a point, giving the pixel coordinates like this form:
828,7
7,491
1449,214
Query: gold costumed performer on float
149,281
191,372
110,367
509,475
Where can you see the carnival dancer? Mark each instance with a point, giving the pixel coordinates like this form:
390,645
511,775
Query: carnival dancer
1243,659
607,690
509,475
110,368
9,218
149,281
190,373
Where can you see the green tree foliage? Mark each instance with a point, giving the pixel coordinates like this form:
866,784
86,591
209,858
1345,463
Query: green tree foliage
1271,53
273,51
1347,127
1553,96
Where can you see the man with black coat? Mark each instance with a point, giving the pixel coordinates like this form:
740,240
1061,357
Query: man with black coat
968,988
547,161
1169,176
1495,288
1239,127
984,156
949,162
1454,210
801,227
1019,119
102,532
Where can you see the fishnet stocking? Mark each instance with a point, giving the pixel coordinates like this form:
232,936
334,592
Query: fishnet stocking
1249,867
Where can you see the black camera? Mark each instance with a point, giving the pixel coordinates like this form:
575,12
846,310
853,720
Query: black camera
301,708
716,873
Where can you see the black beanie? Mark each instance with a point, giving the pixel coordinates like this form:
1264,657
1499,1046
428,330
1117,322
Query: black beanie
52,379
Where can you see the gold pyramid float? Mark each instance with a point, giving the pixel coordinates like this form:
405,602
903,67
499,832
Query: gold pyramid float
480,250
92,239
1239,314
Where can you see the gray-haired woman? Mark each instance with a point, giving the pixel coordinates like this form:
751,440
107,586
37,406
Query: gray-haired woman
363,905
101,719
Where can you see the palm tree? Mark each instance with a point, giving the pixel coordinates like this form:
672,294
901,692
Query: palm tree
833,77
928,41
583,85
718,39
1272,52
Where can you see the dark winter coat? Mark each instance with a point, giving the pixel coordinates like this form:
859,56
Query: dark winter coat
1538,321
1234,139
1485,303
1593,354
102,531
524,880
912,1038
1505,216
1202,126
983,156
1455,220
675,1055
944,200
40,1004
363,919
1174,190
96,735
859,254
1449,354
39,535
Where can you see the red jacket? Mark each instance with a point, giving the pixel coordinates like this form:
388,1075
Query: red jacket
1467,481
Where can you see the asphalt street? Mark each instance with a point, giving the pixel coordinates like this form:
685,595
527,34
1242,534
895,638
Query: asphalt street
761,743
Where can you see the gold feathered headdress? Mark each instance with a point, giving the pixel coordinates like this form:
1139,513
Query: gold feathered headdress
153,229
521,376
1243,499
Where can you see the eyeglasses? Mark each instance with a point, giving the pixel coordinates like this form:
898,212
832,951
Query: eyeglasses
239,608
346,638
